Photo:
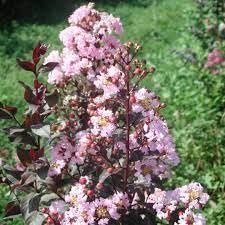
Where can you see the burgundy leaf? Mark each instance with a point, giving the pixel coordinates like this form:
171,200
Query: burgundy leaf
7,112
36,154
11,209
32,120
28,178
4,114
26,65
24,156
38,51
48,67
19,135
36,55
28,94
43,172
12,174
11,109
52,99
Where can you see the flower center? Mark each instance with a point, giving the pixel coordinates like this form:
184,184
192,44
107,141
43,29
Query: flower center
145,103
194,195
102,212
84,215
74,199
108,81
56,165
190,220
102,121
146,170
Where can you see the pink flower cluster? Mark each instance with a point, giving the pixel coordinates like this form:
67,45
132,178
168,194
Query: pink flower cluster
80,211
113,144
89,37
185,200
215,59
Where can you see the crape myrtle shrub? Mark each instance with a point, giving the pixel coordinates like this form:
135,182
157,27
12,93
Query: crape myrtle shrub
208,24
104,157
209,27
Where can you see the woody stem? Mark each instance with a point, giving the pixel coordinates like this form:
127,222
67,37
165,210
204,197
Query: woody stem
127,118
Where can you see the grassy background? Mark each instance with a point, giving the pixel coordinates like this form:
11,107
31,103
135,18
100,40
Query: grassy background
194,98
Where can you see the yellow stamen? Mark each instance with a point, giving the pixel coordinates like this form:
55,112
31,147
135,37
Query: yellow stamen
102,212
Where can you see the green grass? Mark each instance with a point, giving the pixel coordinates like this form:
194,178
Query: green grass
194,98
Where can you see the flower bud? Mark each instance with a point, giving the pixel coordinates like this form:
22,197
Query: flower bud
44,210
110,170
50,220
132,99
138,71
112,119
127,67
82,180
90,193
99,185
99,160
151,69
72,115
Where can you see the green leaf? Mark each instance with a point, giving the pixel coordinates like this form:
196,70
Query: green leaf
43,172
41,130
35,218
28,178
47,198
29,204
34,203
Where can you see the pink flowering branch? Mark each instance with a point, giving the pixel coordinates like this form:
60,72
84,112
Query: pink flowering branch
127,118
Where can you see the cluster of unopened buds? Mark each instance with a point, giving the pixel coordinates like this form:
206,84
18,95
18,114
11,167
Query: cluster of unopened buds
110,149
52,214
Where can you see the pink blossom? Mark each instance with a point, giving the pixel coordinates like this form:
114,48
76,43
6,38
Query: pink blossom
56,75
65,150
111,129
105,209
80,14
102,123
145,101
121,200
146,168
76,195
56,167
193,195
57,206
111,82
190,218
214,58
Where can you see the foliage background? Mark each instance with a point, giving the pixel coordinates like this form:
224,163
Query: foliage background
194,98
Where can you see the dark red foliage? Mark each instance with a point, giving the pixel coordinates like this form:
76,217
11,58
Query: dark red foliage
12,208
48,66
39,51
26,65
